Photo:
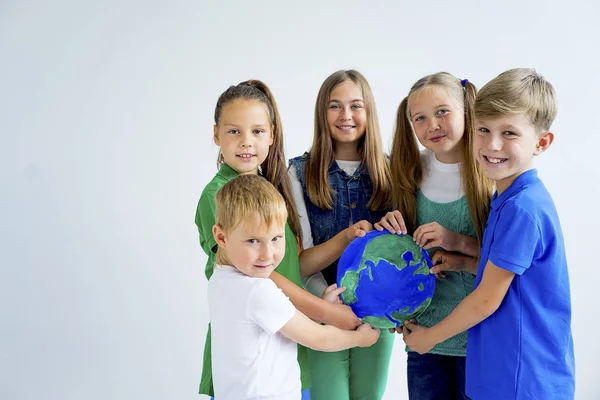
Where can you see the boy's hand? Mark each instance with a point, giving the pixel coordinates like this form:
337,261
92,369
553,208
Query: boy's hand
343,317
433,235
393,222
359,229
332,294
369,335
455,262
417,338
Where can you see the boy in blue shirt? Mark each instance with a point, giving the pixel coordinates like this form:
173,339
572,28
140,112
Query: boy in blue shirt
519,315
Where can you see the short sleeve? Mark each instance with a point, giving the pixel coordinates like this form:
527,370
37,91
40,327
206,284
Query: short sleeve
298,194
205,220
268,307
516,237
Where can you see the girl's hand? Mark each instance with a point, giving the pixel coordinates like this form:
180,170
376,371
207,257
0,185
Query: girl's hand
332,294
359,229
434,235
393,222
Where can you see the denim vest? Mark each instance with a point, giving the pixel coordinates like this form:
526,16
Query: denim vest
350,199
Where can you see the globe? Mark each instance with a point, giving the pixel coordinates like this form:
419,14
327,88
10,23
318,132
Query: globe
386,277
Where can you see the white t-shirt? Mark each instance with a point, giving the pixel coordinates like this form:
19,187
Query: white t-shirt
250,358
316,283
441,182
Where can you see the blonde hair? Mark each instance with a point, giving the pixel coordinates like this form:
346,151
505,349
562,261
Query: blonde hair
274,167
518,91
246,196
405,161
370,148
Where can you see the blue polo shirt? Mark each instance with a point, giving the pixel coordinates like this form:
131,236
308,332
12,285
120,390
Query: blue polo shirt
525,349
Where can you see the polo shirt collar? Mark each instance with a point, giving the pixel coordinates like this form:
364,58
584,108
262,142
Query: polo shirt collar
526,178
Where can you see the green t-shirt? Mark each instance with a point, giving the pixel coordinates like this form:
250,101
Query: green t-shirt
289,267
452,289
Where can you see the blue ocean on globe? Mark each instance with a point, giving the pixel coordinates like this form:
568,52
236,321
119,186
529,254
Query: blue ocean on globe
387,278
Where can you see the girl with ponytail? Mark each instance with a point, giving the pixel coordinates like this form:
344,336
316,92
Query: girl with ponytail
441,198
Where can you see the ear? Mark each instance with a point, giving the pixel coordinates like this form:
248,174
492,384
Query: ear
543,143
272,137
219,235
216,134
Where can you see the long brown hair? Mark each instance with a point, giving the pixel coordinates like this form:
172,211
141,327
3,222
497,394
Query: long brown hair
405,158
369,147
274,167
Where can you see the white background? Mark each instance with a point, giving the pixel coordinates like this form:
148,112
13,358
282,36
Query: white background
106,121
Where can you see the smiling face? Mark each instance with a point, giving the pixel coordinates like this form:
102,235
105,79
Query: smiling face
244,135
346,114
505,147
438,122
252,247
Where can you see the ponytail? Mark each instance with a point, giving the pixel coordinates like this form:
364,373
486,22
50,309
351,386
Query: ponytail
405,164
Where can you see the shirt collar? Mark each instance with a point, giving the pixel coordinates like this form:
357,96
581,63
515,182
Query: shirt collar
523,180
227,172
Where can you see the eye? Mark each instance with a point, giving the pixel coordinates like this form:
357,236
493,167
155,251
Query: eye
442,112
252,241
419,118
277,238
233,131
356,106
334,107
509,133
258,131
483,130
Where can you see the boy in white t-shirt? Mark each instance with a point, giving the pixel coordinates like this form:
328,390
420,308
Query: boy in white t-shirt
255,327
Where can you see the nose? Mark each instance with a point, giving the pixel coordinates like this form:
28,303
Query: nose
493,142
247,139
346,114
266,252
434,125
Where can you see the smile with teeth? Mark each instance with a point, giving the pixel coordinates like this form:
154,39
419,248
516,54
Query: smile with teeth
345,127
245,156
495,160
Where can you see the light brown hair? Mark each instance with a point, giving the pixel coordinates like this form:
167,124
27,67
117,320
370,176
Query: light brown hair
405,158
245,196
369,147
274,167
518,91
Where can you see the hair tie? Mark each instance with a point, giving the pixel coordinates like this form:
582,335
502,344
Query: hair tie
464,82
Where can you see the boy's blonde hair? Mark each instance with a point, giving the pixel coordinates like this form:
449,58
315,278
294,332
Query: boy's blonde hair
518,91
405,159
370,147
246,196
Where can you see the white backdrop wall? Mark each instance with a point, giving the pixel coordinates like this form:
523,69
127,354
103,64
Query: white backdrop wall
106,121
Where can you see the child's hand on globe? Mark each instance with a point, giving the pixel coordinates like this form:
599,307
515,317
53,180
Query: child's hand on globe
359,229
332,294
369,335
393,222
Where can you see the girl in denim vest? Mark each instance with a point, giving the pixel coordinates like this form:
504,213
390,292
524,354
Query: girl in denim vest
249,134
340,187
442,199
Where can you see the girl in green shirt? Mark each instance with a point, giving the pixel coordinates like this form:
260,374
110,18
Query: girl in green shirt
248,131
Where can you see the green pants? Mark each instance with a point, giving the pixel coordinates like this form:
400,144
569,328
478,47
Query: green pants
354,374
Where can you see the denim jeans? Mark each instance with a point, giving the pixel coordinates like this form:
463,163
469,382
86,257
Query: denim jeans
435,377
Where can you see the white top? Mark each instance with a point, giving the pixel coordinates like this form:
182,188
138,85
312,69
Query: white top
316,283
441,182
250,358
